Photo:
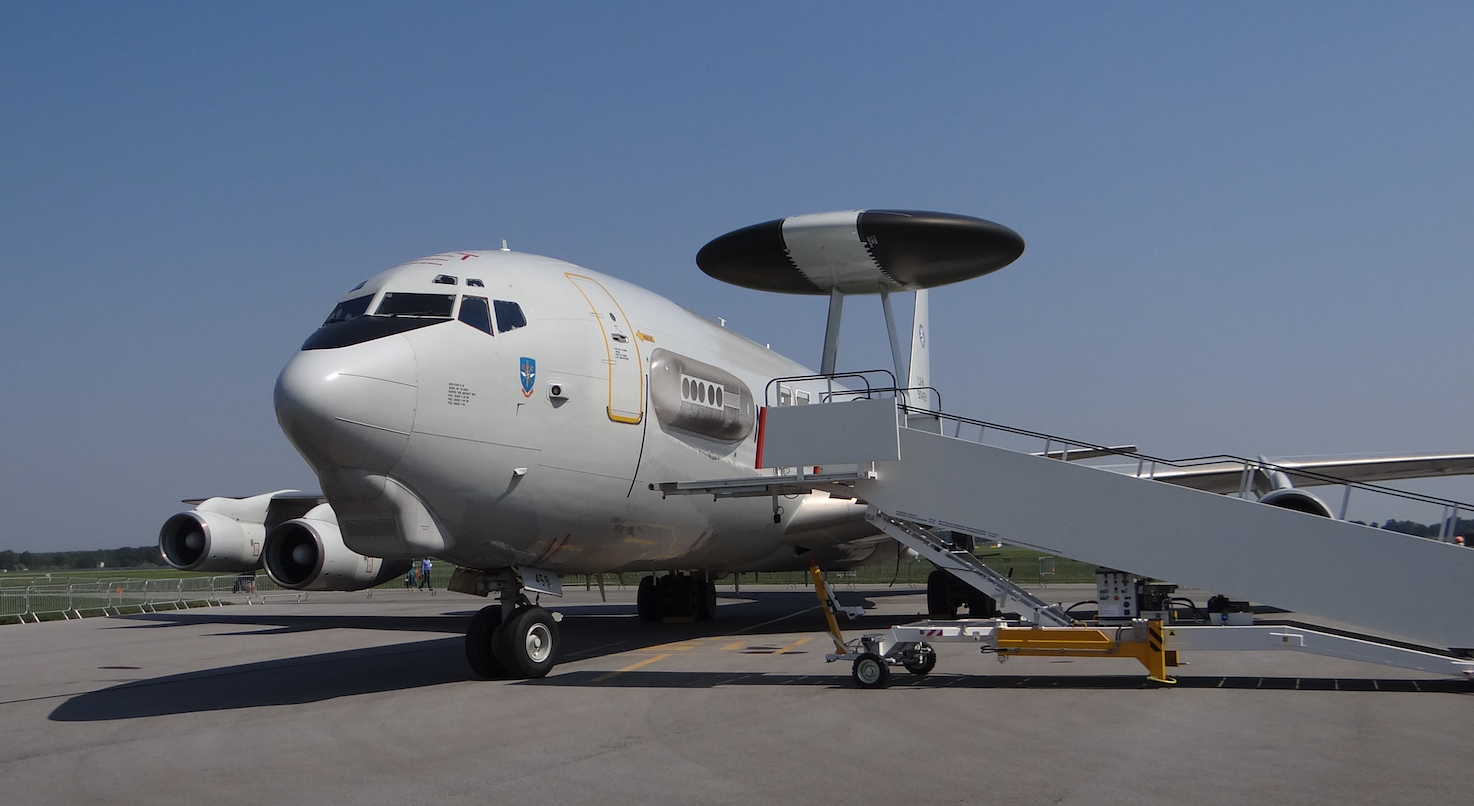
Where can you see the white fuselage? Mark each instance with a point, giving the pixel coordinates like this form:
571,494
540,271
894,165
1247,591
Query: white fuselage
446,440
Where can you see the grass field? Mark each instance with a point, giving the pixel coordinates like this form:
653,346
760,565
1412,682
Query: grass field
1021,565
95,592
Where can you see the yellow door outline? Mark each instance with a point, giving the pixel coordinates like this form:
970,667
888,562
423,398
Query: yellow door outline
608,354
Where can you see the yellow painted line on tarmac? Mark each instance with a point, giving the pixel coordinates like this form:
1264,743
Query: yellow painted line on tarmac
677,646
735,645
799,642
629,668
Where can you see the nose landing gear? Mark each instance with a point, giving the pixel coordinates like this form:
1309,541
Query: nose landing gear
526,643
523,645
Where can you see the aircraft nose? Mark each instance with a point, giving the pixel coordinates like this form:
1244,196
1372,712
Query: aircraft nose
350,407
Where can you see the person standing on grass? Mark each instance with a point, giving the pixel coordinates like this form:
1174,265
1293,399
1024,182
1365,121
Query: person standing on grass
425,574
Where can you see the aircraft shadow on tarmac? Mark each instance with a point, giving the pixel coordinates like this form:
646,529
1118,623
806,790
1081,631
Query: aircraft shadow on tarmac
588,631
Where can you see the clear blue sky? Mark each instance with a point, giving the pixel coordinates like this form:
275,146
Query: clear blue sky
1248,224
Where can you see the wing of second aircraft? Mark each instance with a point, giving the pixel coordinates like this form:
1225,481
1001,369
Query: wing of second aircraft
1227,477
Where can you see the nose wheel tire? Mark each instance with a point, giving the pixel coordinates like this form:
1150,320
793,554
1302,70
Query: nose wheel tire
871,672
527,642
481,643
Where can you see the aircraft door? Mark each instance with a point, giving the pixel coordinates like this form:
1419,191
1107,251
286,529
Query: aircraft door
622,351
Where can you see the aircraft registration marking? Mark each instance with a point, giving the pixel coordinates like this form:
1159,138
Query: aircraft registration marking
629,668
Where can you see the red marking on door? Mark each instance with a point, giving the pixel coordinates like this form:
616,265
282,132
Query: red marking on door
762,419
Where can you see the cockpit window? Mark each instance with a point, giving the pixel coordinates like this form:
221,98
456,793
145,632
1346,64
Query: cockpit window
349,309
444,279
508,315
423,306
475,313
475,283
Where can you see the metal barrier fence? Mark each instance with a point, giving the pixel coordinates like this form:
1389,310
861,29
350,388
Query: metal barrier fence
37,602
38,599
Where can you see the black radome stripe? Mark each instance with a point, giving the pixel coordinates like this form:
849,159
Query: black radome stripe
755,257
923,250
912,249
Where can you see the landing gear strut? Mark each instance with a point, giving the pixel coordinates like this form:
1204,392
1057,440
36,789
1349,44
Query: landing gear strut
676,596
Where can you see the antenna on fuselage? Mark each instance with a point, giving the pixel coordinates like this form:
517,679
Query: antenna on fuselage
864,252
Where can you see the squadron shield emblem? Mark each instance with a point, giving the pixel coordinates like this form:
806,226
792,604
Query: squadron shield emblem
529,375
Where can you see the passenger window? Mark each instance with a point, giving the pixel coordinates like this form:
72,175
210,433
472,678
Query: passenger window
428,306
508,315
349,309
475,313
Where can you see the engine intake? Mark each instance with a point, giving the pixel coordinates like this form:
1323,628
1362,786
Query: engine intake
207,539
307,554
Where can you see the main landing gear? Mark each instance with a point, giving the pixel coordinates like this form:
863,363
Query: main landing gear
676,595
522,644
945,593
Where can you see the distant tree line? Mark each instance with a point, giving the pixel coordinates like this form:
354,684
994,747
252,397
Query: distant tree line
134,557
1460,527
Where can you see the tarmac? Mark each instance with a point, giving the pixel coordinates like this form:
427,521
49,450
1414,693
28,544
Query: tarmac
351,699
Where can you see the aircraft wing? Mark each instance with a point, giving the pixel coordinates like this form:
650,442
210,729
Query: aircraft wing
285,505
1225,477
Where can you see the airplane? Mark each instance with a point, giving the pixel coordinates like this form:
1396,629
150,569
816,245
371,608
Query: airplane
512,414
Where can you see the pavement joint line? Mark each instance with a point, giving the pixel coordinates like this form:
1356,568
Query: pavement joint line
50,697
774,621
630,668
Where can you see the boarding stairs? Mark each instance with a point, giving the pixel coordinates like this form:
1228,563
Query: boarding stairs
922,471
965,565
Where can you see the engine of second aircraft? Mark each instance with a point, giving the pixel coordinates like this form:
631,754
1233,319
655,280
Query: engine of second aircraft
1297,500
308,554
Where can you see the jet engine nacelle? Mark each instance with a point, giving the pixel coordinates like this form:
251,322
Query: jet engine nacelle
222,535
307,554
1298,500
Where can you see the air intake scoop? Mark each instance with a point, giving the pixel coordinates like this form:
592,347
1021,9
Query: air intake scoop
860,252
